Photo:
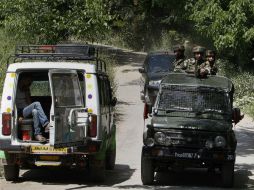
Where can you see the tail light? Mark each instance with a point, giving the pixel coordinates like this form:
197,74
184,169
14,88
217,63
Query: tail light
6,124
93,126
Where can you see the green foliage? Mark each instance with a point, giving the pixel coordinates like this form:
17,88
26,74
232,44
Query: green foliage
168,40
243,83
250,109
111,66
142,22
7,45
52,21
228,23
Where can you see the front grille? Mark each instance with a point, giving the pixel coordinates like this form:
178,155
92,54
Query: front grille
189,138
194,99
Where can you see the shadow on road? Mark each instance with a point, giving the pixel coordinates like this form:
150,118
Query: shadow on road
200,179
57,176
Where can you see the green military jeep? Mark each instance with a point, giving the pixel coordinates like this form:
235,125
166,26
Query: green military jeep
191,127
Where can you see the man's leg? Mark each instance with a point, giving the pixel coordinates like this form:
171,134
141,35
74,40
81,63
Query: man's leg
41,115
37,129
32,110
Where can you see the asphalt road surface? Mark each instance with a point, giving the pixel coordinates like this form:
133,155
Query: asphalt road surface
129,142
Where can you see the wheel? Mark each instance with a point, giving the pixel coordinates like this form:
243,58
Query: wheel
110,159
97,170
147,171
11,172
227,174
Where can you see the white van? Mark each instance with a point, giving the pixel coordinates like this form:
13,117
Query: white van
75,94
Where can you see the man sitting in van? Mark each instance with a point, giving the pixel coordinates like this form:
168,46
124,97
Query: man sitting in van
28,108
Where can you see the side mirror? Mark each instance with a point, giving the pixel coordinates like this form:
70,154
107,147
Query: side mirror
236,115
113,101
141,70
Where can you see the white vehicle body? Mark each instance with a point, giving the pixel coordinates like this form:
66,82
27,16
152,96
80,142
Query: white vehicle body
77,99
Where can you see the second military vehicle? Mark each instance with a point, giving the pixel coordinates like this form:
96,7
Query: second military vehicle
191,126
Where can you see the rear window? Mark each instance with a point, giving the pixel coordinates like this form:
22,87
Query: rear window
160,63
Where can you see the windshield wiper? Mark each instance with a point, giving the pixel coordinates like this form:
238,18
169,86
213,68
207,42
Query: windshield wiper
160,71
211,111
176,110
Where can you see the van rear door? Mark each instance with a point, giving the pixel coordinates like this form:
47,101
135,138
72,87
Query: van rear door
67,102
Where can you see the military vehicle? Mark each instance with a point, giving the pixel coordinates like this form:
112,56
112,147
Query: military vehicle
156,65
191,126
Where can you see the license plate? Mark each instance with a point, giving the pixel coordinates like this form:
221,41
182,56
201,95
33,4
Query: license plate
185,155
48,149
50,158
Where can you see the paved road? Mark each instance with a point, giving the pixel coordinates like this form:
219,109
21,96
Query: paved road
129,142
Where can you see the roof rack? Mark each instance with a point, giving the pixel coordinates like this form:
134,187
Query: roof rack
74,52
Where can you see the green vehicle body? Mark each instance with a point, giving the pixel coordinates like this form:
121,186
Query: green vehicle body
191,126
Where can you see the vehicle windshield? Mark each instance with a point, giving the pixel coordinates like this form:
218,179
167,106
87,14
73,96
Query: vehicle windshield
194,102
160,63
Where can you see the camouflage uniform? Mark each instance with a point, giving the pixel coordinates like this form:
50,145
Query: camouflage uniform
191,65
213,68
178,64
179,60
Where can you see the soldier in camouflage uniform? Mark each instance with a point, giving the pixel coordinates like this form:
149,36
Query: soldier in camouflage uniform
179,57
197,64
210,61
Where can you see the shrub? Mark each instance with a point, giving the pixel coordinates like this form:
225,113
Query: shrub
243,83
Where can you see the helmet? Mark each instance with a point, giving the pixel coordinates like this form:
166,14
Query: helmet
198,49
178,48
210,52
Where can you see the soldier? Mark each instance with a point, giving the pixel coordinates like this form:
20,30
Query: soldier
210,60
179,57
197,64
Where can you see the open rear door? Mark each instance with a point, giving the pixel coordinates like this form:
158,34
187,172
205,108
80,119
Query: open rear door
67,109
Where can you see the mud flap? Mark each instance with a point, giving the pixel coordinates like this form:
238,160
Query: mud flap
112,139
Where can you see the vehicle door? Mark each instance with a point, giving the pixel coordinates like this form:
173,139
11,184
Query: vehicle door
104,102
67,105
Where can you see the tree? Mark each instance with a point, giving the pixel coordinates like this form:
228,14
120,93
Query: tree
143,21
47,21
229,23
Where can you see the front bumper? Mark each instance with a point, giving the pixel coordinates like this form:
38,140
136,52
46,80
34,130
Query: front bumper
170,154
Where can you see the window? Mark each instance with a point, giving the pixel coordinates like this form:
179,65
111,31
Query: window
40,88
66,89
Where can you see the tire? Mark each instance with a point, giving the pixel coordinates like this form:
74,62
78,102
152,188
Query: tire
227,174
110,159
147,171
11,172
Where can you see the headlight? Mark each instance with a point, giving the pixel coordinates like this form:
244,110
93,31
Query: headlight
160,138
149,142
220,141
